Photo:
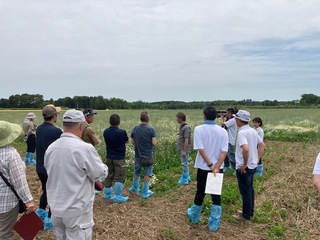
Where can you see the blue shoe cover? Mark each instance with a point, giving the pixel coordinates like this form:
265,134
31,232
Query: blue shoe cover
118,198
194,213
42,214
214,219
184,180
47,224
107,193
135,187
259,170
31,159
27,158
146,193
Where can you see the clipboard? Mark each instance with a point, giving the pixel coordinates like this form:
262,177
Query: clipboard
214,183
28,225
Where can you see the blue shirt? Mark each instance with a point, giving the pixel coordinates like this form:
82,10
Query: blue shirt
142,136
115,139
46,134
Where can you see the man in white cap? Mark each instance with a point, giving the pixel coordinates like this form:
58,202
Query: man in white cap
247,158
72,166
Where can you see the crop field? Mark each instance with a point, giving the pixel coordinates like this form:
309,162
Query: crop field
287,206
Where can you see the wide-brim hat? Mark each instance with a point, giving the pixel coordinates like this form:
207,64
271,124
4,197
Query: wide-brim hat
31,115
9,132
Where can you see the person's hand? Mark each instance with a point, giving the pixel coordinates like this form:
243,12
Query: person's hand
215,169
243,169
30,207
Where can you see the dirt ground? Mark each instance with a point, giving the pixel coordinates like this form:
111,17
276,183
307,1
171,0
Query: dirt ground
289,188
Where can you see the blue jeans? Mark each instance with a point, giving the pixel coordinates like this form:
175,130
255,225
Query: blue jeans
184,161
230,158
147,171
245,183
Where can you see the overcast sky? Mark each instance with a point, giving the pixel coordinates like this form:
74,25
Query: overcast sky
156,50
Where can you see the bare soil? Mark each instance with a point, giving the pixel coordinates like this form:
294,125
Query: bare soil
289,187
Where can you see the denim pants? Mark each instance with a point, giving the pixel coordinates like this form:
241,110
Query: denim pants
184,161
245,183
230,158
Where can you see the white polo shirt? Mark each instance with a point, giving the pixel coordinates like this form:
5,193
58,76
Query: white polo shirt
213,139
232,130
247,135
316,169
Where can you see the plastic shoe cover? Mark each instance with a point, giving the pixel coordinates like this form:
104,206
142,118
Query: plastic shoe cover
47,224
27,158
226,168
107,193
31,159
184,178
214,219
194,213
135,187
259,170
118,198
146,193
42,214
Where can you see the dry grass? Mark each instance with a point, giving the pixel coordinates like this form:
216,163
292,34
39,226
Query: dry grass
289,188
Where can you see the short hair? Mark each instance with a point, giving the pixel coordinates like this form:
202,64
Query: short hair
258,120
182,116
46,119
114,120
70,124
144,117
210,112
231,110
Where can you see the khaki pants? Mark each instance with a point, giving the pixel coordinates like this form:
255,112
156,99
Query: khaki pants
79,228
7,220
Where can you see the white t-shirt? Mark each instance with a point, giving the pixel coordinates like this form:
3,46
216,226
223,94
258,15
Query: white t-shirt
316,169
232,130
247,135
213,139
260,132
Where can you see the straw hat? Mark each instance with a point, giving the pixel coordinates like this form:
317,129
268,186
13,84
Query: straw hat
8,132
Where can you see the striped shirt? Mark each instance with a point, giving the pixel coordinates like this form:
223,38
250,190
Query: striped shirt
14,170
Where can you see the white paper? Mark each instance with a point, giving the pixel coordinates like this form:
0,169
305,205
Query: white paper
214,183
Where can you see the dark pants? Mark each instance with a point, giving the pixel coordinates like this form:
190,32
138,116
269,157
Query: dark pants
116,171
31,143
245,183
43,199
201,187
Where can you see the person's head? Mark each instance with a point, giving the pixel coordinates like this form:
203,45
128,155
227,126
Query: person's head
181,117
50,113
144,117
229,112
9,132
210,113
73,121
89,115
257,122
114,120
31,116
242,118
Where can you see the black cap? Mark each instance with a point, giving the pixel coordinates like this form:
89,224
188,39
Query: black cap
89,112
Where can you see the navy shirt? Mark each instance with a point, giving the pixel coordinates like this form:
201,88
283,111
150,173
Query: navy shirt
142,136
46,134
115,139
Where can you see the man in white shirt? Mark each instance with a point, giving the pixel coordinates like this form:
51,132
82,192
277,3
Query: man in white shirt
72,166
247,158
211,141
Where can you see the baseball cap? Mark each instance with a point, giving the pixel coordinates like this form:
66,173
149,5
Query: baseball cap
89,111
243,115
50,110
73,116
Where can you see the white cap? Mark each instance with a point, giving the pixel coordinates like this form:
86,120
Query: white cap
74,116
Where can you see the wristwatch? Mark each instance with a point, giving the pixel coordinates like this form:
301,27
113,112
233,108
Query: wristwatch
209,165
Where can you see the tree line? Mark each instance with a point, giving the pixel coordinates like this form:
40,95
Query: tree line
34,101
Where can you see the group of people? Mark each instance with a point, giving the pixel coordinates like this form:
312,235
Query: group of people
68,166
